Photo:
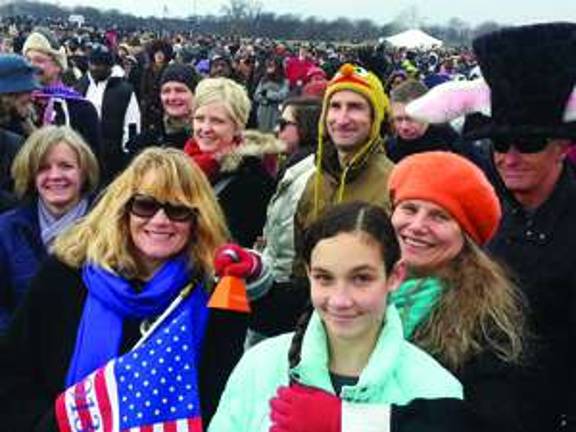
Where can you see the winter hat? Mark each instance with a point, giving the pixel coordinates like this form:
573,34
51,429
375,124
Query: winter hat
181,73
359,80
44,41
531,72
163,46
16,74
315,71
101,55
315,89
453,183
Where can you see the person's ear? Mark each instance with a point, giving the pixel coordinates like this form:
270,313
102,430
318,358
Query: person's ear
397,275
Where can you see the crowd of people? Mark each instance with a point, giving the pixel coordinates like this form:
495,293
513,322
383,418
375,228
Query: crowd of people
248,235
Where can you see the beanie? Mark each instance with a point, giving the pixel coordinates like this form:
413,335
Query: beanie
181,73
16,74
455,184
42,40
101,55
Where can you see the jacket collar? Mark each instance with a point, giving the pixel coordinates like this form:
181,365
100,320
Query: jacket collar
314,359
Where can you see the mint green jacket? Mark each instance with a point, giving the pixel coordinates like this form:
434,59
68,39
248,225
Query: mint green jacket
397,372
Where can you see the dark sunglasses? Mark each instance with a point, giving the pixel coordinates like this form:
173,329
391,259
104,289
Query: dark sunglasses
283,124
145,206
522,145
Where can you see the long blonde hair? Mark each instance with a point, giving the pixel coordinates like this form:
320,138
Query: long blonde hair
480,309
169,175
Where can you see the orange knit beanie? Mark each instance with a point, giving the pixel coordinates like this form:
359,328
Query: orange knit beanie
452,182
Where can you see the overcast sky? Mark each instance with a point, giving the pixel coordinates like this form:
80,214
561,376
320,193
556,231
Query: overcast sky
380,11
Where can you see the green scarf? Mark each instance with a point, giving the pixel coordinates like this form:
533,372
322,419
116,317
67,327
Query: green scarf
415,299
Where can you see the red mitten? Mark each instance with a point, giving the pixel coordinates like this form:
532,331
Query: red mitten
233,260
305,409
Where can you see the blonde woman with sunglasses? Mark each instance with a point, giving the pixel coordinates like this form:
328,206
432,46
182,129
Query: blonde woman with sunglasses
151,237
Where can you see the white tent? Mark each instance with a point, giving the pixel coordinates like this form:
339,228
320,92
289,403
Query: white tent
413,39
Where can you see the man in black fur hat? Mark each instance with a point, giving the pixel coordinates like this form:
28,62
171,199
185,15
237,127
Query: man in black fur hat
528,105
531,72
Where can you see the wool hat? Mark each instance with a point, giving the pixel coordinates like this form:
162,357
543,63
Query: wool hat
101,55
181,73
452,182
44,41
16,74
359,80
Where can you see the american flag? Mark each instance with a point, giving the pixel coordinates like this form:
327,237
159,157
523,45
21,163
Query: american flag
152,388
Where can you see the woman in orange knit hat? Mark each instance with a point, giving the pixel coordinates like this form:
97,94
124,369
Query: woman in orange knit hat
457,303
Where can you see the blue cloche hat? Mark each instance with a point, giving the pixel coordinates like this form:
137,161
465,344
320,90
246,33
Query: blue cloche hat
16,74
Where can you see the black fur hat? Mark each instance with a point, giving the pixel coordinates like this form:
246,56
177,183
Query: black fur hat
531,72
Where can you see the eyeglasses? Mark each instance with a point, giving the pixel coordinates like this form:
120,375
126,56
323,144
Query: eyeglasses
522,145
283,124
145,206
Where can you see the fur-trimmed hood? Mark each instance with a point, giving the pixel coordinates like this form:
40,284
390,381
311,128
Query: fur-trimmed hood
255,144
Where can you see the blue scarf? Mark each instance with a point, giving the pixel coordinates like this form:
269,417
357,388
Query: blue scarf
111,299
415,300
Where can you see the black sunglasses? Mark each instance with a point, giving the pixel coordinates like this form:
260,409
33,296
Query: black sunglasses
283,124
145,206
522,145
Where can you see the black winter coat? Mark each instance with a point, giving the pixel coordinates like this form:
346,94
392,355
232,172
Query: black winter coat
539,247
35,356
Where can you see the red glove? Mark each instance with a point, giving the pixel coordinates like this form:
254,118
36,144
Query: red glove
305,409
233,260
